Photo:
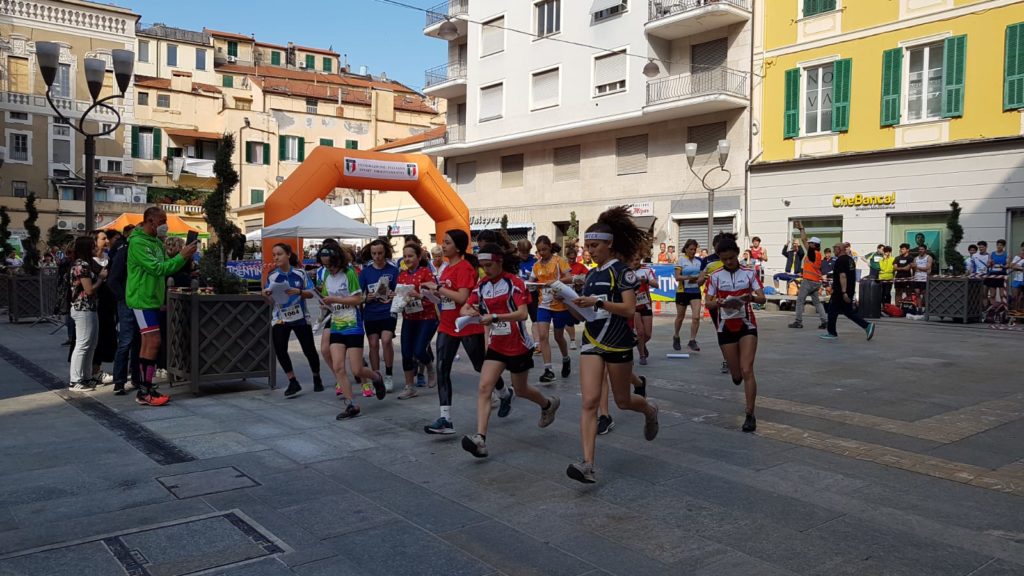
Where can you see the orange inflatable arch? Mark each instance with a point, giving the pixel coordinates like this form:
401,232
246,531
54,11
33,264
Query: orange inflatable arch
327,168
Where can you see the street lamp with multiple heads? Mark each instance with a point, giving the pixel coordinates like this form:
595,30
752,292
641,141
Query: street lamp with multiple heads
48,56
723,155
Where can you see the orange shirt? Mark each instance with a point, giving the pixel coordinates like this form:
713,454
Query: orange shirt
544,273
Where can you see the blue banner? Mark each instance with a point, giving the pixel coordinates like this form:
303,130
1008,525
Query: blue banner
665,290
246,269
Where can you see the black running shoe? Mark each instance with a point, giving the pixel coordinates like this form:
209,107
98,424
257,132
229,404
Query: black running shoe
378,386
293,388
641,390
548,376
350,411
566,367
505,403
119,389
318,383
725,367
581,472
475,445
750,423
677,345
604,424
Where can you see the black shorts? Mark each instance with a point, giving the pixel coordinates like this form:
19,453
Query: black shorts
375,327
611,357
514,364
645,311
684,298
728,337
916,285
347,340
531,308
999,282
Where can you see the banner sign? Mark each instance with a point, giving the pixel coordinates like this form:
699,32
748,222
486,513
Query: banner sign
637,208
665,290
398,228
381,169
252,269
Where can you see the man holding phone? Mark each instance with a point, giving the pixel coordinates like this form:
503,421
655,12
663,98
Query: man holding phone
148,268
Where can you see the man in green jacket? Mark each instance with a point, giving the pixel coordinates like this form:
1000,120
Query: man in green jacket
148,269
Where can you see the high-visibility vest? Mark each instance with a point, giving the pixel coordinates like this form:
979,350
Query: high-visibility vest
812,270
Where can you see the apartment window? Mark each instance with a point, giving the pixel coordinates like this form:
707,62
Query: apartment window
143,98
243,104
492,36
605,9
465,177
18,74
328,65
549,17
232,48
61,87
352,144
62,174
146,148
706,137
97,164
567,163
61,151
18,146
19,188
491,102
114,166
512,171
310,62
610,73
544,87
924,82
172,55
200,59
227,81
327,142
255,196
292,149
631,155
108,129
61,130
813,7
143,54
311,105
257,153
818,99
275,58
163,100
19,118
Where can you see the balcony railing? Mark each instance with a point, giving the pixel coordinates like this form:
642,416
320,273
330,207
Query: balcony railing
445,10
658,9
181,209
694,84
71,108
445,73
455,134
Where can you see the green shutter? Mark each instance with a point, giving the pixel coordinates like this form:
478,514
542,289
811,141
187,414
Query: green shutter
310,62
175,152
135,141
275,58
791,121
248,152
229,81
326,142
892,73
157,148
266,154
841,77
812,7
352,144
255,196
1013,81
233,49
302,149
327,64
955,53
282,147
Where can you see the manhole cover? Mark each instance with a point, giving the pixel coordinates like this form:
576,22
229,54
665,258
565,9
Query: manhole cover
182,547
206,482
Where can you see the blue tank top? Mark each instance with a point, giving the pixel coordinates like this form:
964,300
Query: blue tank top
999,263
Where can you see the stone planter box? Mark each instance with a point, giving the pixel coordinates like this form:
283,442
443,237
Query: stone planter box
218,338
30,297
955,297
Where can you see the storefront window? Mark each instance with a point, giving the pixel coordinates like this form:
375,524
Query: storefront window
918,229
1016,230
829,230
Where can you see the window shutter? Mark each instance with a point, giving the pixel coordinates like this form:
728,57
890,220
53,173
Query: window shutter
545,89
266,154
892,72
465,177
490,101
275,58
841,95
791,119
157,148
1013,83
326,142
327,64
512,171
352,144
567,163
302,149
135,141
248,152
955,53
282,148
229,81
812,7
610,68
310,62
706,137
492,37
631,154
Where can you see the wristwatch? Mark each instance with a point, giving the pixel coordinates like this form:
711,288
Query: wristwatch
599,305
494,318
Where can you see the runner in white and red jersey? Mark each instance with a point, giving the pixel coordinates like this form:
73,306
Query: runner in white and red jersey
644,318
500,301
730,291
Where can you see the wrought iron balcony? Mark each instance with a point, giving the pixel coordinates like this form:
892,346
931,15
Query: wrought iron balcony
709,82
444,73
446,10
672,19
455,134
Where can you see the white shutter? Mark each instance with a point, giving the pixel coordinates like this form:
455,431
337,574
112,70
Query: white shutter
610,68
706,137
545,89
631,154
491,99
512,171
567,163
465,177
492,36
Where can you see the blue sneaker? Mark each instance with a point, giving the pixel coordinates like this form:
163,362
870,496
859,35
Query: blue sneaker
505,405
870,330
440,426
827,336
421,381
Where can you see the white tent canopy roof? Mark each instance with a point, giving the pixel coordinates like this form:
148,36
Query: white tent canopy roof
319,220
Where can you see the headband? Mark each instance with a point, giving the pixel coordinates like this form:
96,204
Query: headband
489,256
606,236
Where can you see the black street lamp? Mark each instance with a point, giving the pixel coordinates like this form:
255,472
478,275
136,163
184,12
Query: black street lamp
48,56
723,155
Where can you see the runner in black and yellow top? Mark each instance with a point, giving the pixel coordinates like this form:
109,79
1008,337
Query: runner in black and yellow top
608,340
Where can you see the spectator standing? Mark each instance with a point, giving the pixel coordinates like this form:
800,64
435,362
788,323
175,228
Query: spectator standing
979,259
844,283
903,266
672,256
997,263
922,268
794,255
127,354
874,261
1017,279
662,254
811,280
85,282
886,273
106,312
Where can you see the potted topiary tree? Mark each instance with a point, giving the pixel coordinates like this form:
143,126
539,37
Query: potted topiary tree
954,295
31,294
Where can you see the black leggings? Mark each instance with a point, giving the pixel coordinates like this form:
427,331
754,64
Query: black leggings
447,348
304,332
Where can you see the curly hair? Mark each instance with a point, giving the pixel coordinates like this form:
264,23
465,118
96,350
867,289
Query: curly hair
509,256
628,238
389,252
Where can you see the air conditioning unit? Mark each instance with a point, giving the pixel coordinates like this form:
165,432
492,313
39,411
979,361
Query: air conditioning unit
346,201
232,59
80,226
63,224
302,65
138,199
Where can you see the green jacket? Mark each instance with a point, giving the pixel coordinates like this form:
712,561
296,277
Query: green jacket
148,269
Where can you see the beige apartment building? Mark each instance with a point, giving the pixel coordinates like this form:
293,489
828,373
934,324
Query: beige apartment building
43,155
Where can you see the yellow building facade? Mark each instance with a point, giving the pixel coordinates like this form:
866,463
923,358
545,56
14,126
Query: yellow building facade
909,104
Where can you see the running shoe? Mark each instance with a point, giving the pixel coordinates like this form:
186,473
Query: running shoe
103,378
643,360
440,426
548,376
692,345
293,388
566,367
796,324
505,403
870,330
154,398
350,411
475,445
86,386
725,368
337,389
641,390
604,424
823,325
827,336
408,392
749,423
421,381
119,389
378,386
581,472
676,343
389,383
367,390
536,351
651,424
318,383
572,344
547,415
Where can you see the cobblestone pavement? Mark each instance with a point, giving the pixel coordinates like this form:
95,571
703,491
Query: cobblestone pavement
898,456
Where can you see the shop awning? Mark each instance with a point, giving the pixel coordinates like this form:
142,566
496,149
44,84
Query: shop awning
193,134
175,225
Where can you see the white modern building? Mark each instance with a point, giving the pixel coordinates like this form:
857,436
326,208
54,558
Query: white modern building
550,111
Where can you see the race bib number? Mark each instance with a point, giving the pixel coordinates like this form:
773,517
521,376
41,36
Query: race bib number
547,295
292,313
414,306
501,329
643,299
447,304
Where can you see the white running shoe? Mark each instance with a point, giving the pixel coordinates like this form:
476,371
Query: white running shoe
389,383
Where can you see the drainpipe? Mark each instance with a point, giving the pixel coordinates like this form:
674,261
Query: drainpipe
750,125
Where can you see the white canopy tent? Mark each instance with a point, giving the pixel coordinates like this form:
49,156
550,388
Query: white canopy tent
318,220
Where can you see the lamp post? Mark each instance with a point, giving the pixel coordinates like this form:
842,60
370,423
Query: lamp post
723,155
48,56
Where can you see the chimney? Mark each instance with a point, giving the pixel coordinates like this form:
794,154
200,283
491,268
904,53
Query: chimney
181,81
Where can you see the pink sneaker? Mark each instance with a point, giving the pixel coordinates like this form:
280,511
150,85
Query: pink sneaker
368,390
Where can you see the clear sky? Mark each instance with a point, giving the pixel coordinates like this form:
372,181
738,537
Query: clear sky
382,37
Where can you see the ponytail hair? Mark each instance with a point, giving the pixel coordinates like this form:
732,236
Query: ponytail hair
627,238
509,256
461,241
293,259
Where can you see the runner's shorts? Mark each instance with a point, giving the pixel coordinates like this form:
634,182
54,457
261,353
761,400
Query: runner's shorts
560,319
514,364
733,337
347,340
148,320
623,357
377,327
684,298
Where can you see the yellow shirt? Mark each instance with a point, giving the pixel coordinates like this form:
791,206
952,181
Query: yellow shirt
887,268
545,273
